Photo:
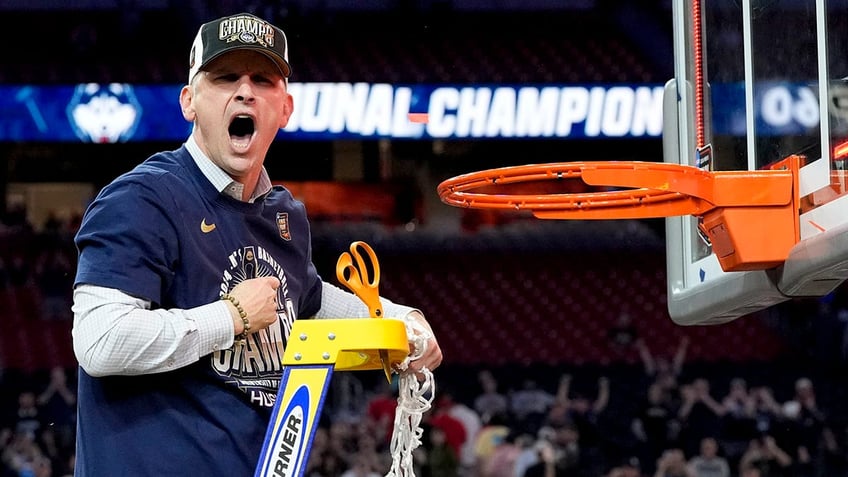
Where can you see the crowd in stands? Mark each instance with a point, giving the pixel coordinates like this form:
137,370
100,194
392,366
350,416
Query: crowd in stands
677,428
667,416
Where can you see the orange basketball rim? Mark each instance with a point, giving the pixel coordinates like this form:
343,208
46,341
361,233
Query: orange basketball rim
750,217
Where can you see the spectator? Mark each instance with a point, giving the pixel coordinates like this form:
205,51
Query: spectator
661,370
766,457
28,419
546,462
19,269
835,460
766,409
42,467
52,224
66,468
471,423
708,463
700,415
453,428
559,457
320,446
527,455
360,468
530,404
584,413
655,426
54,272
324,462
672,463
630,468
58,401
441,459
24,457
342,443
368,450
623,334
490,401
806,425
502,462
16,217
381,409
739,424
489,437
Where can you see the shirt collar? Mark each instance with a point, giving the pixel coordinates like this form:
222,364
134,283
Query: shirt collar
222,181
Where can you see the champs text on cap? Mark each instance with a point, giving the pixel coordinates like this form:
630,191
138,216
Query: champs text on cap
242,31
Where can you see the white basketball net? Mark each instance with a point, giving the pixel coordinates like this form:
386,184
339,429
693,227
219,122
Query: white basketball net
415,396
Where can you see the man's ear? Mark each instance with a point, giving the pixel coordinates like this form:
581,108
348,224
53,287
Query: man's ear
187,103
288,108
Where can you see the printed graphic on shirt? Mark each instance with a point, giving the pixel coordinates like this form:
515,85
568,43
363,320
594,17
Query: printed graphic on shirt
255,366
283,225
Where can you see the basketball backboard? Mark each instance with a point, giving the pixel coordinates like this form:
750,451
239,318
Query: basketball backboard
755,82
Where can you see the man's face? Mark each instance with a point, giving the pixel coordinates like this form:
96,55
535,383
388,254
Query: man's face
238,103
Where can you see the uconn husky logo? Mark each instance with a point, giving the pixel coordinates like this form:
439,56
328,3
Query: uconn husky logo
104,113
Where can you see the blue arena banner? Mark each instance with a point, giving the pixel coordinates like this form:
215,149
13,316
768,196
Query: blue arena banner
98,113
782,108
108,113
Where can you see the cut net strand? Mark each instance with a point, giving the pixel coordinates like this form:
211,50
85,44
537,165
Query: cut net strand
415,397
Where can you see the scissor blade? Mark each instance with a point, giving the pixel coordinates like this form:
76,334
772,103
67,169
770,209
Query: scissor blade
387,367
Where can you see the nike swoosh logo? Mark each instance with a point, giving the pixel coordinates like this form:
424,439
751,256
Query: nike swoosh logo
206,228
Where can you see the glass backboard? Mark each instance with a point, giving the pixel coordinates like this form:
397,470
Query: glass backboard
755,82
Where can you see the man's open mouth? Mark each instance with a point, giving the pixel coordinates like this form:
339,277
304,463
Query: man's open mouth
241,130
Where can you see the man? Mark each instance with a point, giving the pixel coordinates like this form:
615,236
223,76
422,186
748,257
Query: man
192,268
708,463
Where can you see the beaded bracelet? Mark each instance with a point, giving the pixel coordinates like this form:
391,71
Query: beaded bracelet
243,336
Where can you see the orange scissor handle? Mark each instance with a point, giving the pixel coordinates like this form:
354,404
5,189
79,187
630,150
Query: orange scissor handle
362,277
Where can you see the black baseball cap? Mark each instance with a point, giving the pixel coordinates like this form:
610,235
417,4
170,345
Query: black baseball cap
236,32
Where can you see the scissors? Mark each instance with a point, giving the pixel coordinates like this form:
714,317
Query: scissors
363,279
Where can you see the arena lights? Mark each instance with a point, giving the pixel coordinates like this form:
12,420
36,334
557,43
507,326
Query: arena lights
840,152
